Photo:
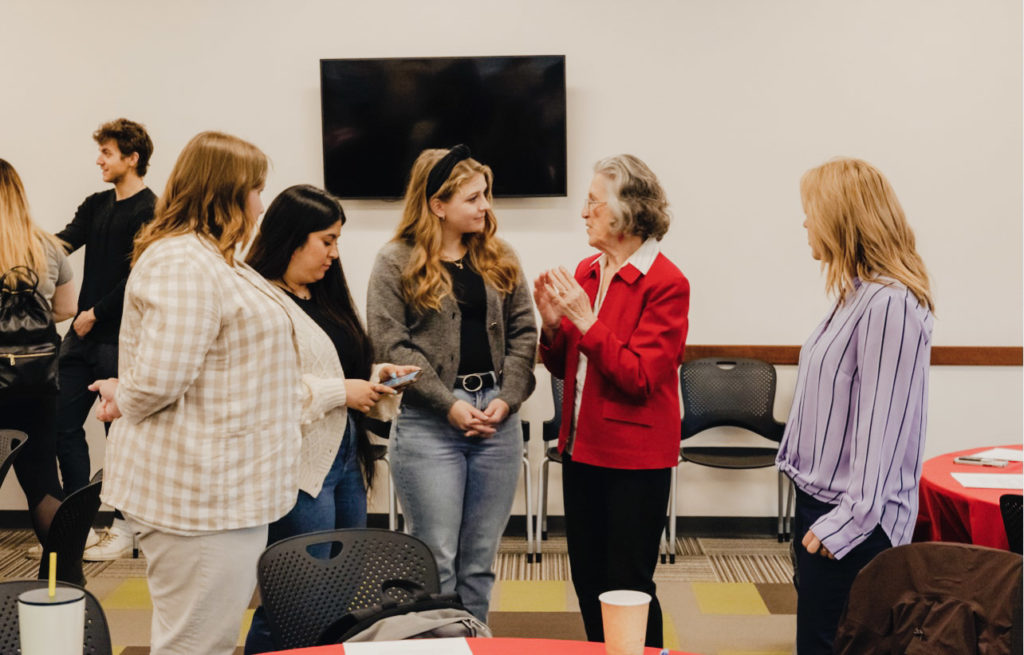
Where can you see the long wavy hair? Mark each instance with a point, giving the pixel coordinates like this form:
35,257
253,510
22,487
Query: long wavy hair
21,240
859,228
425,281
206,194
295,213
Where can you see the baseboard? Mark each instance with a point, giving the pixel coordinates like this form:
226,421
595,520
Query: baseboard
722,527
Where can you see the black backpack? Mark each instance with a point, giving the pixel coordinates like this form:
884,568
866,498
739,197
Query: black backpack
29,343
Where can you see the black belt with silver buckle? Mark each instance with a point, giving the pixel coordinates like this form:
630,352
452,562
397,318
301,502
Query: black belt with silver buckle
476,381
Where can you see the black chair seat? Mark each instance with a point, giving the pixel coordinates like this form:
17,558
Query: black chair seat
378,452
553,454
732,457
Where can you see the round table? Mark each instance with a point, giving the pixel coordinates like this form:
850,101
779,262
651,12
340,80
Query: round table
951,512
500,646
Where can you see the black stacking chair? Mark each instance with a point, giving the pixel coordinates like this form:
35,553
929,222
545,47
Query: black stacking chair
11,443
68,531
734,392
302,594
1013,518
97,636
380,454
528,513
549,433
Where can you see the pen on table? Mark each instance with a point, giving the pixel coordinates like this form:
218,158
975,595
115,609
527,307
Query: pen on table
980,461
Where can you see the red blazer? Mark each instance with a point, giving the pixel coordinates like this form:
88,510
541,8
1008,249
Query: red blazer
629,412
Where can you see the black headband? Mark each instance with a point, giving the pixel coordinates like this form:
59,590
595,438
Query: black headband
443,169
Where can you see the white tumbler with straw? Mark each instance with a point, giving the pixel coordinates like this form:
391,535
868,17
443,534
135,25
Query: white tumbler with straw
51,620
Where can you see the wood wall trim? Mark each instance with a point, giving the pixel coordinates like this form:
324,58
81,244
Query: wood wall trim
941,355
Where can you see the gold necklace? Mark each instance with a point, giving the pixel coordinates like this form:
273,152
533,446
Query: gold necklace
458,262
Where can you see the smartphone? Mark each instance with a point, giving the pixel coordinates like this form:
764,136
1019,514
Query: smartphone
401,381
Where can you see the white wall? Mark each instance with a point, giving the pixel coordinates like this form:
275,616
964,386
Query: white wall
728,101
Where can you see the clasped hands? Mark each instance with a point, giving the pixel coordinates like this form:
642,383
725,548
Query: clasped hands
476,423
107,389
557,294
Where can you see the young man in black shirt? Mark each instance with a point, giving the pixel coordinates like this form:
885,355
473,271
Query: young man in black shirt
105,224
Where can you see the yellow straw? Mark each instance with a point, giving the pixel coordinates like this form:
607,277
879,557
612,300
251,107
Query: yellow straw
53,574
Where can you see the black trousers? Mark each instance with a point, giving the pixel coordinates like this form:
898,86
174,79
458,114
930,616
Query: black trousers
613,524
82,362
36,464
823,584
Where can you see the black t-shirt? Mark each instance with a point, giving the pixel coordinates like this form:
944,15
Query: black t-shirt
474,348
107,227
348,350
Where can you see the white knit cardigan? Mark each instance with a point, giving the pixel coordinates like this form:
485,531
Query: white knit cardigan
324,416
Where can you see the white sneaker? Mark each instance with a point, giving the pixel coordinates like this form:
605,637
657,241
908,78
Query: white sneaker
36,552
114,544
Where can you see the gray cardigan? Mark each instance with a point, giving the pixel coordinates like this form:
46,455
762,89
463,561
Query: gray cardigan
431,340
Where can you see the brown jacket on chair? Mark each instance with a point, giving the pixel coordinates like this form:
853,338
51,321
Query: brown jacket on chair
930,598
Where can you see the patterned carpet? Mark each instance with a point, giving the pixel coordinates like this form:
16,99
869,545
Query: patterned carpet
720,597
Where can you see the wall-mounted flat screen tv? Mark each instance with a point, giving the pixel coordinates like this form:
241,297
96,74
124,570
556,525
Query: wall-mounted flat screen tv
379,114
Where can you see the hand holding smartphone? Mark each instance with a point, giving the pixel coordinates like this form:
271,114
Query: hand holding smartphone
402,381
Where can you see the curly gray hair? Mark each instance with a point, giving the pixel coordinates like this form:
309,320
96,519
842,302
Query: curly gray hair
635,197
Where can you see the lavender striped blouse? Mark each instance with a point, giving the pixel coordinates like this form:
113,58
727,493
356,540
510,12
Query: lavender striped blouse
855,435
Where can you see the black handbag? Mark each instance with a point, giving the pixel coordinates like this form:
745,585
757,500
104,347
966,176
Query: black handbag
29,343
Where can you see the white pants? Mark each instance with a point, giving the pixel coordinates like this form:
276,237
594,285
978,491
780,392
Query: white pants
200,587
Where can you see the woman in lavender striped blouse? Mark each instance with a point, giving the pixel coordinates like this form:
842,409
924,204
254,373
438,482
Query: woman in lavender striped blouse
855,437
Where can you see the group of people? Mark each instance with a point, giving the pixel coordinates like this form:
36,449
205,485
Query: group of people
244,384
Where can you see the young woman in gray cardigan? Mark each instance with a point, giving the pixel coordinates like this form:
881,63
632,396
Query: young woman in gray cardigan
448,296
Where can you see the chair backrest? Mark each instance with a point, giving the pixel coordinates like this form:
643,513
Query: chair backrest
302,595
97,636
11,443
933,598
1012,507
735,392
68,531
552,426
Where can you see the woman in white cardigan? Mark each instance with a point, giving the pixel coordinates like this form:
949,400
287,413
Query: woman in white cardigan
297,249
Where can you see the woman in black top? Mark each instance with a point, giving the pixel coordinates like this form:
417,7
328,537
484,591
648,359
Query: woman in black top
297,249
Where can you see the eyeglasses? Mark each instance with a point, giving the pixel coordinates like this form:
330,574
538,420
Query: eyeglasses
588,204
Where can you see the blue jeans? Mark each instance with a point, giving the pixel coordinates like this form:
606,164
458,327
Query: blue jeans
456,493
341,503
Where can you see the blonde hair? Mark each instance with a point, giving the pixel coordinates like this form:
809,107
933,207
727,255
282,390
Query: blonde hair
206,194
635,197
859,228
21,240
425,281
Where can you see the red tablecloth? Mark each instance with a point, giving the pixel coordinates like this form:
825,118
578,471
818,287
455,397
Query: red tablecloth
502,646
952,512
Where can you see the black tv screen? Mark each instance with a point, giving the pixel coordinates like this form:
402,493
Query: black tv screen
379,114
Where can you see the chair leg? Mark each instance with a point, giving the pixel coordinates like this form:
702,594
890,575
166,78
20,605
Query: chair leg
528,512
392,498
542,508
673,482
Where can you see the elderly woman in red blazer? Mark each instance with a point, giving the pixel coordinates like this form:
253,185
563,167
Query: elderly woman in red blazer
615,332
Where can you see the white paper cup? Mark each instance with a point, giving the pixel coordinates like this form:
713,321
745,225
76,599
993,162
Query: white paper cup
624,613
52,626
